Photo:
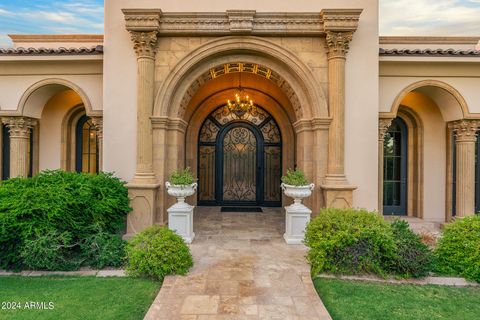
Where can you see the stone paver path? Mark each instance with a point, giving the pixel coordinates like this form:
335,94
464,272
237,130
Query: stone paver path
243,270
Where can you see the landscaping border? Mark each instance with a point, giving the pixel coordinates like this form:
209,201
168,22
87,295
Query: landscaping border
87,272
442,281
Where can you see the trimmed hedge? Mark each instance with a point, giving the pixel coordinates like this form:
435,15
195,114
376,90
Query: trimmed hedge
458,250
156,252
46,220
350,241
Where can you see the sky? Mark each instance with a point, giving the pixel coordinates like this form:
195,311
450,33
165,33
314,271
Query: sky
397,17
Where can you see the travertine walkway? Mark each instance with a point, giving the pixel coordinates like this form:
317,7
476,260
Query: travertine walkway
243,270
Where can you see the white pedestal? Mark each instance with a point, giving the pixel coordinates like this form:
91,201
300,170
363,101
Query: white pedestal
297,216
180,219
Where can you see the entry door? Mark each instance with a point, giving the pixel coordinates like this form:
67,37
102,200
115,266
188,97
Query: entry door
239,155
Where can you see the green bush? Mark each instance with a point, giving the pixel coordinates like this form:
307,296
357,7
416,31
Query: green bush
103,249
458,250
349,241
49,250
295,178
413,258
60,203
156,252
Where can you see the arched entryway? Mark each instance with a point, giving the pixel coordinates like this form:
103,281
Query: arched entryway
239,159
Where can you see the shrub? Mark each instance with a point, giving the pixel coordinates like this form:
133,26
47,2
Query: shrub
103,249
156,252
458,250
413,258
182,177
49,250
58,203
349,241
295,178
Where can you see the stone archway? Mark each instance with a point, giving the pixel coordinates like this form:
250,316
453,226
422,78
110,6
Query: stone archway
162,100
181,122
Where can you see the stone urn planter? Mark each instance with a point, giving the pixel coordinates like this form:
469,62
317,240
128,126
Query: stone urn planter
297,215
180,215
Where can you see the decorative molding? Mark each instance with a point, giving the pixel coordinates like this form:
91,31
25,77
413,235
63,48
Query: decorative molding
241,21
383,125
167,123
340,20
234,67
19,127
144,43
465,130
142,20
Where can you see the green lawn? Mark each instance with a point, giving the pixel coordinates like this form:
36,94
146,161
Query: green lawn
362,300
77,297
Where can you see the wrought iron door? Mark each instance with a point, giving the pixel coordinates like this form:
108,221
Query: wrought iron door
239,159
237,154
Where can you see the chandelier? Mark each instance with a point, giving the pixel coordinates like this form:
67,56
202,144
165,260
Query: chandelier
242,103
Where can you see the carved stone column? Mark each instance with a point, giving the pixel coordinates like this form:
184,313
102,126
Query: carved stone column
466,136
143,25
383,125
98,124
19,129
339,27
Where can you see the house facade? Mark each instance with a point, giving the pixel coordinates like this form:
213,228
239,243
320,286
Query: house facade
383,123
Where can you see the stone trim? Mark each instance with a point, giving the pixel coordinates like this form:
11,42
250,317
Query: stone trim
241,22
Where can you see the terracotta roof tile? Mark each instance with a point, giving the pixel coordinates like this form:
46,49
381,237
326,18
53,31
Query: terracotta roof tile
430,52
46,51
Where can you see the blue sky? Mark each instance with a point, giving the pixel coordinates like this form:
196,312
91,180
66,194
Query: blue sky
397,17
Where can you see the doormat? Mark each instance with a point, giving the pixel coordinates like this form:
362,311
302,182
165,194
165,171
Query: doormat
241,209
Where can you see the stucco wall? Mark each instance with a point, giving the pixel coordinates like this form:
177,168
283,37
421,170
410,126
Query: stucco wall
434,155
16,77
361,82
50,126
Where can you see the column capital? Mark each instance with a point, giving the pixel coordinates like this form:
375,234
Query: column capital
465,130
19,127
98,124
383,125
144,43
338,43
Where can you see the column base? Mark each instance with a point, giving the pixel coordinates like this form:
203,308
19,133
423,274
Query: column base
144,179
180,220
297,216
338,195
143,202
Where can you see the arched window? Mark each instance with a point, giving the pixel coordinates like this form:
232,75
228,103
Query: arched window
86,143
395,168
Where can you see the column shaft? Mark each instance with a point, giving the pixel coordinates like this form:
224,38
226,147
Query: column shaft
145,100
466,136
336,102
19,129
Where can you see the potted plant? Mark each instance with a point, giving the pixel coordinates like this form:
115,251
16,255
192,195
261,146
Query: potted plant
180,216
295,185
181,185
